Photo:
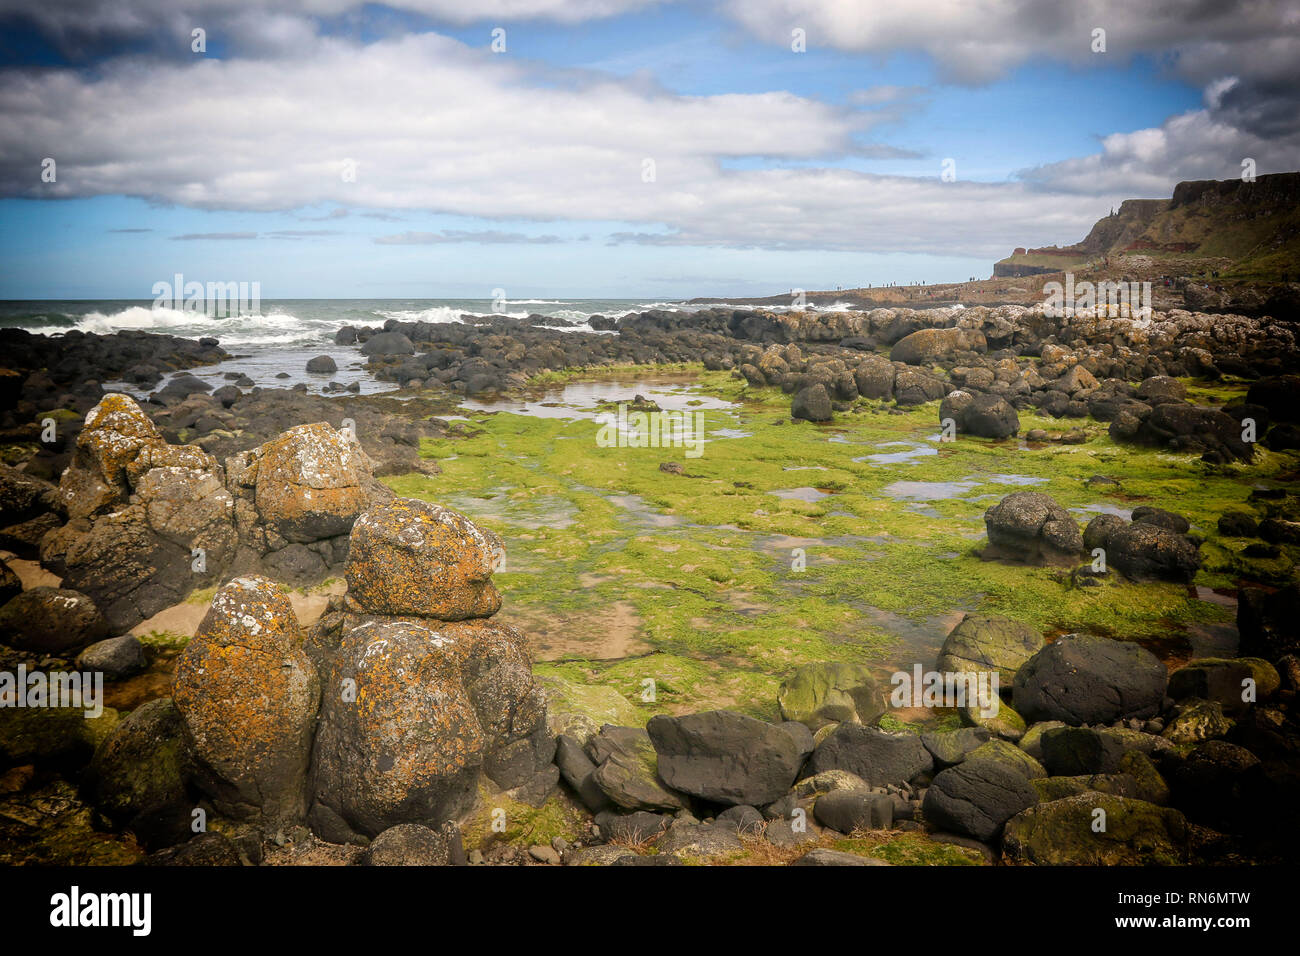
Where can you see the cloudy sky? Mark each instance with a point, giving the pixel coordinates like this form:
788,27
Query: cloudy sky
607,148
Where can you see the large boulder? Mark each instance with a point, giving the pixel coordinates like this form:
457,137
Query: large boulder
410,557
812,403
49,620
982,414
627,770
1031,527
1144,551
1071,832
928,346
310,483
977,797
412,714
878,757
1084,679
989,642
725,757
824,693
248,696
113,433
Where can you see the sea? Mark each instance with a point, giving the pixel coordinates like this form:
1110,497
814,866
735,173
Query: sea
272,345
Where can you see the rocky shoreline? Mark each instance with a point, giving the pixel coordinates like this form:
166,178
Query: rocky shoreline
248,490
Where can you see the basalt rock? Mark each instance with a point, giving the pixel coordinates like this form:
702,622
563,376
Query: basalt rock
1031,527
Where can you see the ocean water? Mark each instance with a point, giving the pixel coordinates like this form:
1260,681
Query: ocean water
272,346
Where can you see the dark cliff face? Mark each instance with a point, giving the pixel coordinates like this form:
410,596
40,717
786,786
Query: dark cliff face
1267,192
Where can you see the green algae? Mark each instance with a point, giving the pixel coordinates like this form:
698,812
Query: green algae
733,586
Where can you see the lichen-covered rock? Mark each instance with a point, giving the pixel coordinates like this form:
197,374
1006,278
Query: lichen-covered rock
410,844
1235,683
114,432
410,557
580,709
49,620
249,697
1198,720
830,692
1066,833
310,482
413,712
989,642
1084,679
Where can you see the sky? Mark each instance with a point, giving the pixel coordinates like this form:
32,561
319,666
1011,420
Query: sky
607,148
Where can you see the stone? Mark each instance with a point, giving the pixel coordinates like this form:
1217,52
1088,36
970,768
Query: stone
700,841
877,757
1225,681
1031,527
322,363
411,844
989,642
812,404
48,620
1008,755
1071,751
1084,679
951,747
824,693
850,810
1061,833
1198,720
115,658
977,797
627,770
410,557
630,829
248,697
310,482
724,757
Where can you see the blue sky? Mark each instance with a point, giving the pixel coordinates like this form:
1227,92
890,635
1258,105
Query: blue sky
525,170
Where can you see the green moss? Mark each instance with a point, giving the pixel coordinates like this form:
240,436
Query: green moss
911,849
728,587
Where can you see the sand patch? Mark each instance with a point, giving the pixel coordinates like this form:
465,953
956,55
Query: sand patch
605,633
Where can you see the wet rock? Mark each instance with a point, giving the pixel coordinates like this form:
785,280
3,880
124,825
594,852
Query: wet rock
322,363
812,404
140,772
116,657
1198,720
387,344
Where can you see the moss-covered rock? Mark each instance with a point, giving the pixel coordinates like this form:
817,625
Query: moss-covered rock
1071,832
830,692
580,710
989,642
1198,720
1006,723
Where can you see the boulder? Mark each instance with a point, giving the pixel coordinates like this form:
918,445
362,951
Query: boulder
830,692
48,620
951,747
627,770
1067,832
812,403
411,844
1226,681
388,344
1031,527
248,697
977,797
930,346
1071,751
877,757
1148,552
310,483
322,363
410,557
724,757
989,642
1083,679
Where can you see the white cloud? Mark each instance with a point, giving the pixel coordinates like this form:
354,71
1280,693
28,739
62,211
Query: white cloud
433,125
